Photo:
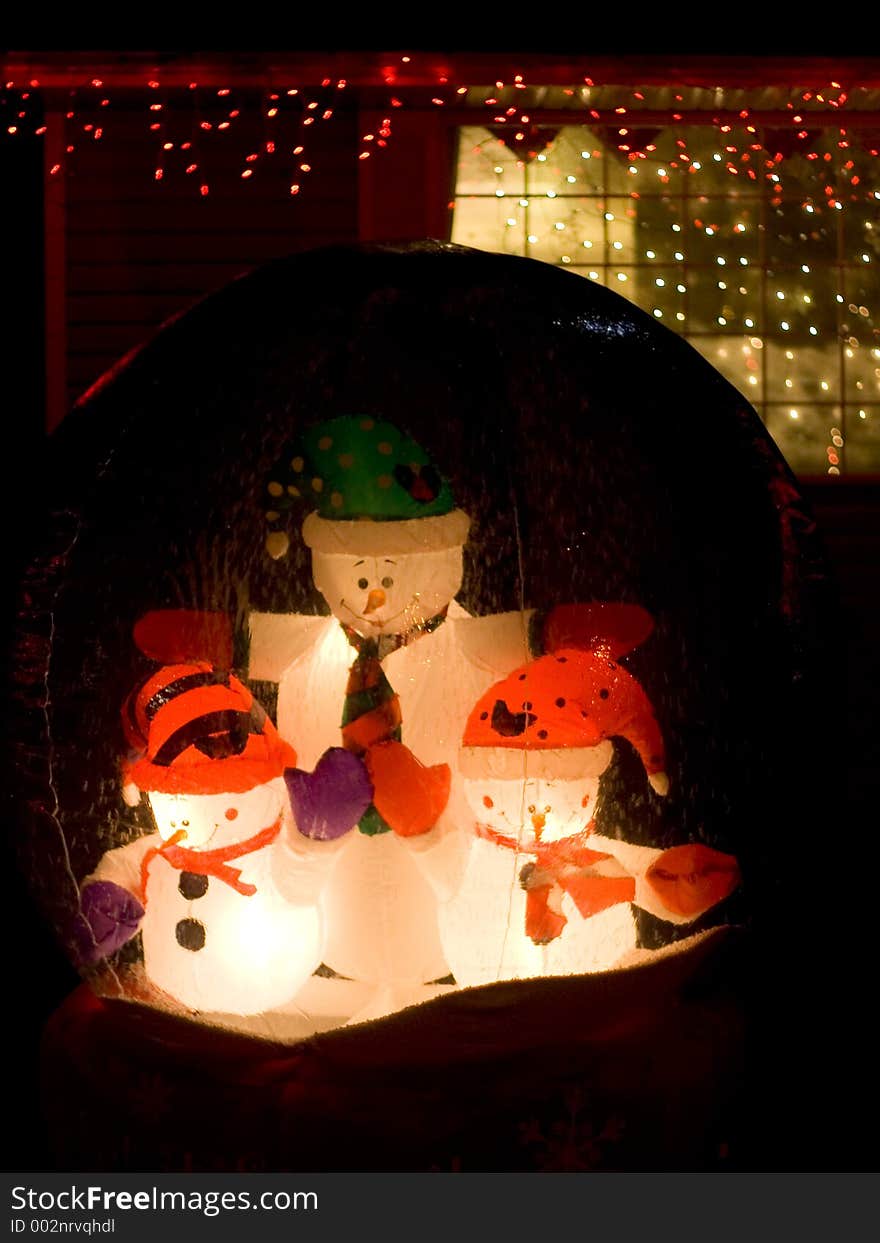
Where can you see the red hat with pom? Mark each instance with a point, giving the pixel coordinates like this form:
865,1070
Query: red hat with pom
194,728
569,699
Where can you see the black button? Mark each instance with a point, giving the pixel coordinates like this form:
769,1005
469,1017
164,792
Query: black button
190,934
193,885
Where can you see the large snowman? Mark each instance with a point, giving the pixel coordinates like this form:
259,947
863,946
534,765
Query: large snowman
391,674
225,906
543,893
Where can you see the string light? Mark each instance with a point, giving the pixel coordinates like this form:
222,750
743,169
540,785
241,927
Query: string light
811,172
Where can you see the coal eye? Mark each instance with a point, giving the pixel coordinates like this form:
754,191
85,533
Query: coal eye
363,583
547,808
531,809
387,582
185,823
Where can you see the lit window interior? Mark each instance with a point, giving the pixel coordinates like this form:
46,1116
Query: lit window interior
760,246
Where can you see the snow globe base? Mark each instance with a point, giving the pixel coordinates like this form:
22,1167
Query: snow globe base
632,1069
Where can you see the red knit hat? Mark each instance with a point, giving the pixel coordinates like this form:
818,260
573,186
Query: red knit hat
565,700
194,728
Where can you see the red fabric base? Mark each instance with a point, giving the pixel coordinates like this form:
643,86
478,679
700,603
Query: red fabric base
634,1070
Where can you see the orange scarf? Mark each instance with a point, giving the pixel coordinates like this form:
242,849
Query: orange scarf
564,864
210,862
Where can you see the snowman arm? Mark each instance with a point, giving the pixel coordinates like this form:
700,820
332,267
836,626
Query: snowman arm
122,866
278,640
498,643
301,865
677,904
442,854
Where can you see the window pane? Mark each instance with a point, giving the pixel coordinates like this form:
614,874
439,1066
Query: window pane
799,233
862,449
738,360
486,165
806,374
484,223
862,371
734,239
803,433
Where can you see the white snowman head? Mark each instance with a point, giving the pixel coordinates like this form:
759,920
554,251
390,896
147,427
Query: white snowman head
212,820
537,743
386,538
389,592
541,796
206,755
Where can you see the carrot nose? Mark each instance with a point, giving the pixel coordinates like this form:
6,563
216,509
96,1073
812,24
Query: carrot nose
538,821
375,600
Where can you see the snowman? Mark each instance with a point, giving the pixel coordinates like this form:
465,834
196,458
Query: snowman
543,893
391,674
226,908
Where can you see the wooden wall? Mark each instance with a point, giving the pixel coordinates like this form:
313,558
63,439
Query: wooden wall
126,251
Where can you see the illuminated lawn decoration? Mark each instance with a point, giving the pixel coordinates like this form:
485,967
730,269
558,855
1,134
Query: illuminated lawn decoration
392,675
543,893
215,891
536,396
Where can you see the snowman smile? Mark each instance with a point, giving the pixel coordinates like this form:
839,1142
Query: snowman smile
376,619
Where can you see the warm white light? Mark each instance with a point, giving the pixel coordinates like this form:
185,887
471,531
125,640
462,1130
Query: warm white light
246,953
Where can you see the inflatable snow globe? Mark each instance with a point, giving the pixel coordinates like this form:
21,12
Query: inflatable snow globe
416,652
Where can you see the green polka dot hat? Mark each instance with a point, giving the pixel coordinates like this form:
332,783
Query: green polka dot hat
374,490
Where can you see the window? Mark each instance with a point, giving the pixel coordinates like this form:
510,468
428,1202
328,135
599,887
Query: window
759,245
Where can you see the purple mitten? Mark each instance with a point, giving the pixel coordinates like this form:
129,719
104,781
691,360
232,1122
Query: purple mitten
330,801
108,917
